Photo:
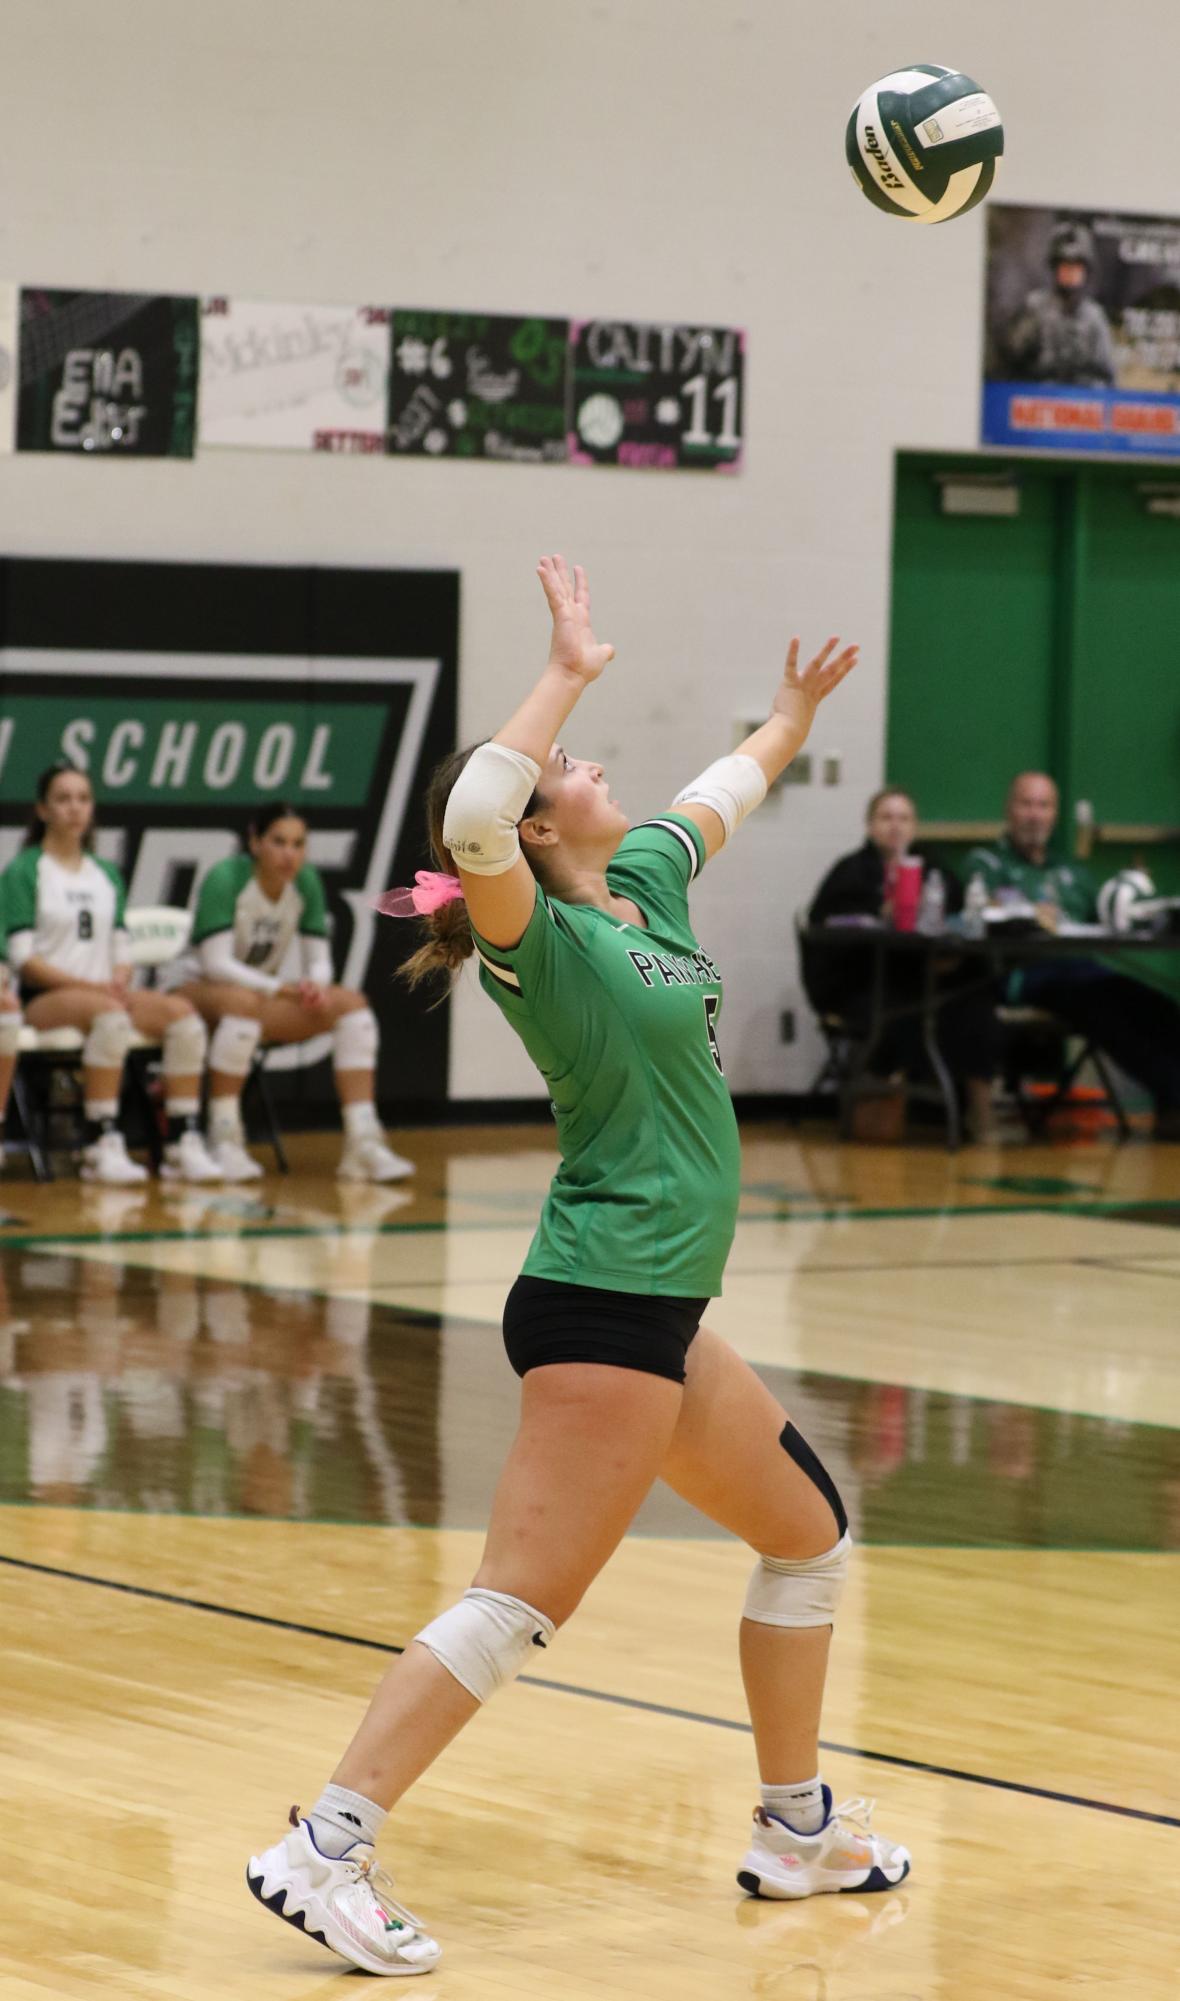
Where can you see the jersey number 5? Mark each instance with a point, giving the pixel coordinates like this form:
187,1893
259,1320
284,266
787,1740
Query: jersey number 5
712,1009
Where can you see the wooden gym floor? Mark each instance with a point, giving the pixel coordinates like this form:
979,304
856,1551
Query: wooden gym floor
247,1441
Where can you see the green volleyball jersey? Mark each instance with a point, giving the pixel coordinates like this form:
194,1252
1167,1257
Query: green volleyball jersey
620,1021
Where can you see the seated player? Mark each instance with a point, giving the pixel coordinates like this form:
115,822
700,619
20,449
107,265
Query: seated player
1136,1025
67,944
968,1032
251,909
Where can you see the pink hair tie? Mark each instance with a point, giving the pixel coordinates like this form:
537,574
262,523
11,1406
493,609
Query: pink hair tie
429,893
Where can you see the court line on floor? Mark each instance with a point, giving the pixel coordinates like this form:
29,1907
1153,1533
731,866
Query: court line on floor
842,1212
590,1694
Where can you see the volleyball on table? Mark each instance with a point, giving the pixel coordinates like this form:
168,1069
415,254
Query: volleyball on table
924,143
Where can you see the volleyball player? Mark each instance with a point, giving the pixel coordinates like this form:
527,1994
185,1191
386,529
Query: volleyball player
68,946
250,910
582,931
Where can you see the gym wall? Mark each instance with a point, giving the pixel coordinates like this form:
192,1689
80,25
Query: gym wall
665,160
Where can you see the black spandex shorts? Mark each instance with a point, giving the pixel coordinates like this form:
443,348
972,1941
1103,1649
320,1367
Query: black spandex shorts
546,1320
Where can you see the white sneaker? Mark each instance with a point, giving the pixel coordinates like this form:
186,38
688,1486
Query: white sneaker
106,1159
372,1160
189,1159
348,1905
233,1163
844,1855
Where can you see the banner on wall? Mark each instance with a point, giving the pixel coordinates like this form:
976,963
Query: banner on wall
107,372
667,396
338,696
478,385
293,378
1082,331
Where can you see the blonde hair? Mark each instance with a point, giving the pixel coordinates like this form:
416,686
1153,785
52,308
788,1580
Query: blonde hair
448,941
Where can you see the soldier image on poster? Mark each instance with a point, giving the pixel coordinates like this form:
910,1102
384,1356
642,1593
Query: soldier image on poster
1082,331
1060,334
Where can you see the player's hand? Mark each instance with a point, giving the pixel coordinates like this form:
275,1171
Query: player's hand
306,992
573,645
802,689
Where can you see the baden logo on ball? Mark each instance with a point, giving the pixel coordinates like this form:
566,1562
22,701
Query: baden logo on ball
924,143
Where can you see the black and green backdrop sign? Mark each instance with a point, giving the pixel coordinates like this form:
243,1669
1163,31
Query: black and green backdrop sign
107,372
478,385
662,395
193,693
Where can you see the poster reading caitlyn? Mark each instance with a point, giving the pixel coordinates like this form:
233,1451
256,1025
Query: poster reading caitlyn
1082,334
665,396
107,372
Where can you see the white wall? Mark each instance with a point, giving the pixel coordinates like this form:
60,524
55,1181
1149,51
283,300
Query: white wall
660,159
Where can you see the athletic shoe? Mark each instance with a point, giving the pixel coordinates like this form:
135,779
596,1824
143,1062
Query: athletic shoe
844,1855
107,1160
189,1159
372,1160
234,1163
348,1905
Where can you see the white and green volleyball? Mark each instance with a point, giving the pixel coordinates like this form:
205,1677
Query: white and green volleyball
924,143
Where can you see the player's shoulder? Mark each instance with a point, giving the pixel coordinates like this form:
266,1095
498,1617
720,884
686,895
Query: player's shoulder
110,870
231,874
668,836
309,881
23,866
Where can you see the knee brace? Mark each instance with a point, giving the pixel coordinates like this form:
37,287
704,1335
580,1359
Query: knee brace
10,1026
108,1041
354,1040
486,1639
234,1041
806,1592
185,1043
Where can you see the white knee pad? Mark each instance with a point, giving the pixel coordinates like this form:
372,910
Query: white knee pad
806,1593
10,1021
486,1639
185,1043
108,1041
354,1040
234,1041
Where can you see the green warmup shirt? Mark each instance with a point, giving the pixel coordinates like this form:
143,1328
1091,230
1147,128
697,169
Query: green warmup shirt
620,1020
1068,884
243,935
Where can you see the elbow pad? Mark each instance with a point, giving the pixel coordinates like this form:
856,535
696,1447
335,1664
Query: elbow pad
732,787
487,800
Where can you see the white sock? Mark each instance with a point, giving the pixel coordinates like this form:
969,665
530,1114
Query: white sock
101,1111
800,1805
339,1819
361,1121
225,1121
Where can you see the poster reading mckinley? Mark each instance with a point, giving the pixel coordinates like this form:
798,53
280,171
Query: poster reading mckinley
1082,331
293,377
107,373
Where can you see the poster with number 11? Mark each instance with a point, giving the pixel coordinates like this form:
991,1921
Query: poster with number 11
657,395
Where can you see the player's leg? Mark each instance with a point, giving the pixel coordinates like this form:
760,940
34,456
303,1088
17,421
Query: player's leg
736,1457
586,1430
106,1028
10,1028
233,1016
348,1018
184,1040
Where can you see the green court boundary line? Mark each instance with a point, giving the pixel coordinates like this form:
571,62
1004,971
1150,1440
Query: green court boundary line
1129,1211
609,1697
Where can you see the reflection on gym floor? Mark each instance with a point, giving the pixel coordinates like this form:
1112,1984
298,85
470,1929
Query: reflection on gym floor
124,1387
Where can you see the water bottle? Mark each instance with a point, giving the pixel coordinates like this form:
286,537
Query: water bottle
974,905
932,906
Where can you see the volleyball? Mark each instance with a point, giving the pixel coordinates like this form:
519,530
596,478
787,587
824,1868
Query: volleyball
923,143
1126,900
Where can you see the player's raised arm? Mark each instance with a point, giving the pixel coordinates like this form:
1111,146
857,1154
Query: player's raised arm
493,792
719,800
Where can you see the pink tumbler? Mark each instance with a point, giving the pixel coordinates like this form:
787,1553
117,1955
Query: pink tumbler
907,892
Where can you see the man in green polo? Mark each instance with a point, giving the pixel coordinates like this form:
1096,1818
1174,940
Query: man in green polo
1136,1025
